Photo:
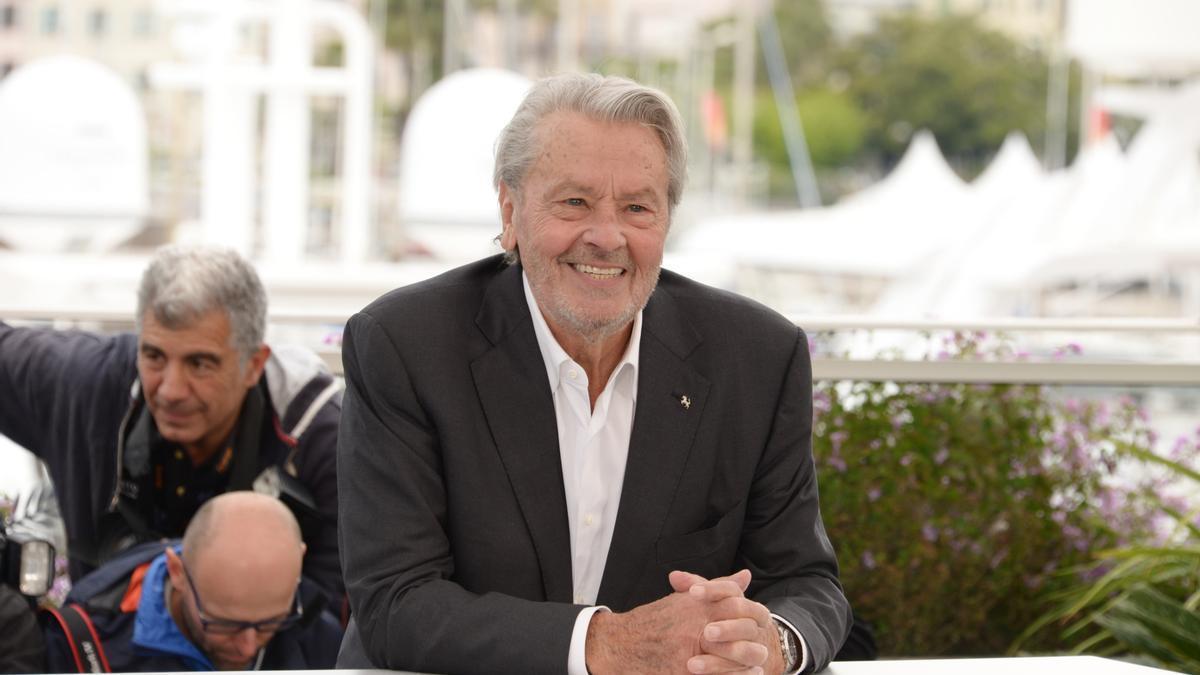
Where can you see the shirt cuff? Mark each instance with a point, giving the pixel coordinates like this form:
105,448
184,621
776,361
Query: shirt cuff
802,662
577,656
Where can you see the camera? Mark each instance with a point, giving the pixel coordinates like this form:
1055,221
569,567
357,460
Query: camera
26,561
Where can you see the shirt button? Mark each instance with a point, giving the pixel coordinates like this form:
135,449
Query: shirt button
178,455
179,490
572,374
587,520
579,600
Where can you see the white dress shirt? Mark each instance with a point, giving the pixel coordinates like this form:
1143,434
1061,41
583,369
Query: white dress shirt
593,444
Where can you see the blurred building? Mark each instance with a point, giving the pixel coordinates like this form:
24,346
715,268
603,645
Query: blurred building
125,35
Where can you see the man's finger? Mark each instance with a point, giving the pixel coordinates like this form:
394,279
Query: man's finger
738,607
728,657
732,630
722,587
682,581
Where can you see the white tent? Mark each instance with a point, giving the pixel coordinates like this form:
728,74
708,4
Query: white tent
883,231
1001,223
447,203
73,157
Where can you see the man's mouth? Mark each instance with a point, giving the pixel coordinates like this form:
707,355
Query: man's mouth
598,272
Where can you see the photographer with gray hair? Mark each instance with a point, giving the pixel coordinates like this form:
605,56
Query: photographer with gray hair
138,430
566,459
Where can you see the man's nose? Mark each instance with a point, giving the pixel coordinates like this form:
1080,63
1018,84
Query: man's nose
174,385
246,642
604,231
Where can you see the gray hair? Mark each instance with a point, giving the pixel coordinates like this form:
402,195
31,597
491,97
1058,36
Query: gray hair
183,283
606,98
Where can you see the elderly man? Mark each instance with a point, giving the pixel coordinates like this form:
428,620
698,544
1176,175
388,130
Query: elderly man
229,599
139,430
563,460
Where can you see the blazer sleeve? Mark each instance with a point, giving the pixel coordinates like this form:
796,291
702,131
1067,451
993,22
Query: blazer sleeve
784,543
396,554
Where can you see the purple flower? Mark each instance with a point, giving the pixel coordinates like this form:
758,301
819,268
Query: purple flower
906,459
837,463
1181,449
874,494
941,456
868,560
929,532
836,439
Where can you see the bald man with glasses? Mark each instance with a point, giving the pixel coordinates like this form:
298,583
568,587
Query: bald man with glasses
229,597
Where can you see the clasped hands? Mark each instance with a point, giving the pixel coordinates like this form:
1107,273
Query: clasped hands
705,626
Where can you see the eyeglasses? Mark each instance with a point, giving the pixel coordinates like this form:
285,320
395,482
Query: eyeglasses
216,626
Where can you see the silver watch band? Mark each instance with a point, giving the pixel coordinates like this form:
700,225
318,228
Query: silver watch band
787,643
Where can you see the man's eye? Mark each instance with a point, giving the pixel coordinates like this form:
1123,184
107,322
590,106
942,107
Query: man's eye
203,365
637,208
573,201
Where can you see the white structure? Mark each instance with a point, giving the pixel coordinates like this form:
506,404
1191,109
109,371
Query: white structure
1152,38
231,81
447,203
73,157
848,253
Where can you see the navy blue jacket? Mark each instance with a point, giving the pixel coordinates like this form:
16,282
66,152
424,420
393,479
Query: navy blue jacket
67,395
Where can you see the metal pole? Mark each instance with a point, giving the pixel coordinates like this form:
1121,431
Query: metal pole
789,116
743,100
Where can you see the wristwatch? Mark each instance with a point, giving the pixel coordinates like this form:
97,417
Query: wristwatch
787,643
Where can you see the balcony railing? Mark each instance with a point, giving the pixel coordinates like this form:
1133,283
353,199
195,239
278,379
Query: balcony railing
1124,371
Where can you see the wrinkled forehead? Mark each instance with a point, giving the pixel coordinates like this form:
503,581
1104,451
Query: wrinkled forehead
578,149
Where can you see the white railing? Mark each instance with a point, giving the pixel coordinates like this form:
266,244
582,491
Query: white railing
1064,372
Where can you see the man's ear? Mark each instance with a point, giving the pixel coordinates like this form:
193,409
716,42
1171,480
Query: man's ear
175,571
508,204
255,365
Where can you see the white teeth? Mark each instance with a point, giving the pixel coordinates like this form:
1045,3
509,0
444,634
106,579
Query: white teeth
599,272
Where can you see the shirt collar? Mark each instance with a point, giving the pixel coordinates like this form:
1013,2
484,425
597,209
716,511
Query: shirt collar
554,356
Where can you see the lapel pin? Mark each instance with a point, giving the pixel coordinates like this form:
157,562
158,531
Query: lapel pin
685,402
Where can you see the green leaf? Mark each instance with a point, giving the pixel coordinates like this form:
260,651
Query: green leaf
1165,618
1152,457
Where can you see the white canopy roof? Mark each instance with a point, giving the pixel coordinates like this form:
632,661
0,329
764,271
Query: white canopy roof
73,156
882,231
447,202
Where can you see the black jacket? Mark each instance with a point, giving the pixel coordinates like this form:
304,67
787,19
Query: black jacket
68,397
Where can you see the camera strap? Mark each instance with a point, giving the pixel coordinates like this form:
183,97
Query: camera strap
85,644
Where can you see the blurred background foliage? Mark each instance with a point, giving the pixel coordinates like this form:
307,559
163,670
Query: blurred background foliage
1009,490
1145,596
861,99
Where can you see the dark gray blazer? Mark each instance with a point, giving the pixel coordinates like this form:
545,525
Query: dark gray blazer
453,525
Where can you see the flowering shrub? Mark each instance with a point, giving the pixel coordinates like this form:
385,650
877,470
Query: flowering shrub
952,506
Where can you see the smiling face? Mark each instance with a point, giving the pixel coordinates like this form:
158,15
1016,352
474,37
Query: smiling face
590,219
194,380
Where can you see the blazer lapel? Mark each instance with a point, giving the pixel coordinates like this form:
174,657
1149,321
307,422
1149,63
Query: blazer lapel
664,428
516,400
